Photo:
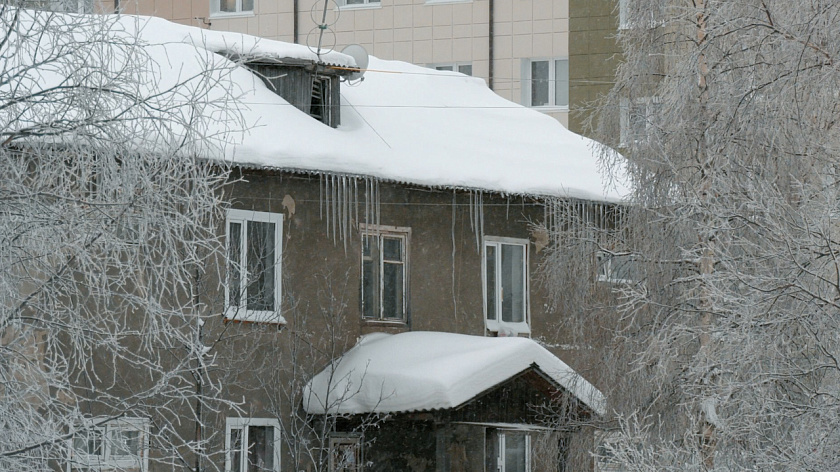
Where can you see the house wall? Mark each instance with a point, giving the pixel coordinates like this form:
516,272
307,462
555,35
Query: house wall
263,364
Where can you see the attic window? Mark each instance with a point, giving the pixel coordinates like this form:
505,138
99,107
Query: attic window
320,108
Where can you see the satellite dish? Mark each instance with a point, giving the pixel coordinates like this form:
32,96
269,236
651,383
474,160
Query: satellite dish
358,53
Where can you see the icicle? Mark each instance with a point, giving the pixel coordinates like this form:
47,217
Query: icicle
335,210
472,227
378,207
326,200
454,297
356,200
321,196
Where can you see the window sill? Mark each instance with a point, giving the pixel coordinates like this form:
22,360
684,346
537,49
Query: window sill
248,316
231,15
551,108
508,329
360,6
372,321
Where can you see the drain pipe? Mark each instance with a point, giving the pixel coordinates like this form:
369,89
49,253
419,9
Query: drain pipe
295,13
490,33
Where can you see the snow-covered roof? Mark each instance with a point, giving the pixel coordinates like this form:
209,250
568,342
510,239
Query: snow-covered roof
403,123
418,371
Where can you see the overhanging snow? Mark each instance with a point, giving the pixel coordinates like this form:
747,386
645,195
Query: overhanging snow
419,371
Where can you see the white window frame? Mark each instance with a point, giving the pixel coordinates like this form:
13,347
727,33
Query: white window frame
604,262
241,312
527,83
502,435
216,10
452,67
353,440
498,325
404,234
232,423
108,459
365,4
626,117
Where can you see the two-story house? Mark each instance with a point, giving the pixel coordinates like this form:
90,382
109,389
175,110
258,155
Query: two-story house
377,306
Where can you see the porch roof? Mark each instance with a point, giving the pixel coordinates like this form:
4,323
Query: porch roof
419,371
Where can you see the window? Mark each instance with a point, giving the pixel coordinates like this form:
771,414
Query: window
514,452
637,119
231,7
253,273
384,274
545,83
66,6
112,444
358,2
615,268
506,285
252,445
346,454
462,67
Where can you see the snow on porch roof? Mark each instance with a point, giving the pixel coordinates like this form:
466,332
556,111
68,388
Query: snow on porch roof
420,371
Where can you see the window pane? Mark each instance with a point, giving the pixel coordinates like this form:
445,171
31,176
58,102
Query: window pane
236,450
513,290
621,268
539,83
227,5
234,264
90,443
515,455
392,249
346,456
354,2
247,5
260,266
260,448
465,69
125,442
561,82
443,67
490,256
370,277
392,291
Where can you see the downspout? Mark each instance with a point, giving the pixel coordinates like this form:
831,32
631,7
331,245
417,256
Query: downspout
116,6
490,33
295,13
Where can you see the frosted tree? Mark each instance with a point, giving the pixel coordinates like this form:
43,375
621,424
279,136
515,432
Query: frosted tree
726,327
108,219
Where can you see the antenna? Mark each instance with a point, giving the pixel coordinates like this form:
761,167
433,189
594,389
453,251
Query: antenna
360,55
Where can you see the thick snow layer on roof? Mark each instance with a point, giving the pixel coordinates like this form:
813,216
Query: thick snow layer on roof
419,371
402,123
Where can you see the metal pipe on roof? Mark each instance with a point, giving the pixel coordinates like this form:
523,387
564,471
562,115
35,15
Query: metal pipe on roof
295,14
490,32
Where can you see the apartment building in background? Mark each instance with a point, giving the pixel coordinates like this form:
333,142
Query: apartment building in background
556,56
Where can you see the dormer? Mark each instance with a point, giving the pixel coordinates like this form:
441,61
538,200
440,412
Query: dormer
311,87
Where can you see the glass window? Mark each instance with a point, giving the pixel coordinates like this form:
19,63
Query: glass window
112,444
616,268
514,452
231,6
358,2
252,445
253,268
384,275
505,285
547,82
462,67
346,454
